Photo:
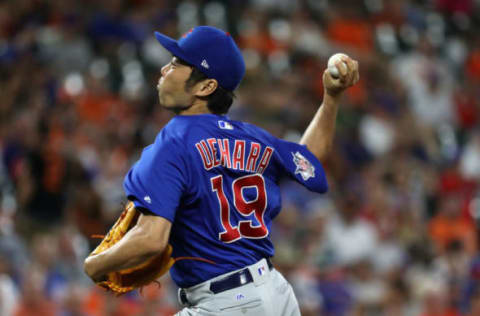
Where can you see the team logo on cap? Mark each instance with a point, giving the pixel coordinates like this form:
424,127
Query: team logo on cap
304,167
205,64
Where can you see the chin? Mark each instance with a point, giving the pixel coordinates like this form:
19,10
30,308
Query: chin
167,106
161,100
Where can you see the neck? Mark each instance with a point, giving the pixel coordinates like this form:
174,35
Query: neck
198,107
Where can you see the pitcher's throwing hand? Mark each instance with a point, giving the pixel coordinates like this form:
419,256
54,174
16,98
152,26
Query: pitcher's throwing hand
342,72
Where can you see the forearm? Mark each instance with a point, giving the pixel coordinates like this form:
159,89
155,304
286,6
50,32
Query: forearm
134,248
318,137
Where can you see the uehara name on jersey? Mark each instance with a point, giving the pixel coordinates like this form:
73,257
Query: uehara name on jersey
220,152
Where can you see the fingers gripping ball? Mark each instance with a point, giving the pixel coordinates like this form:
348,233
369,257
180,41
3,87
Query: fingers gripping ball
333,67
342,73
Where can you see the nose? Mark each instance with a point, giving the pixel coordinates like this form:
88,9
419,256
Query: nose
164,69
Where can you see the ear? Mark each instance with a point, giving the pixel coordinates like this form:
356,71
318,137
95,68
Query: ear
206,87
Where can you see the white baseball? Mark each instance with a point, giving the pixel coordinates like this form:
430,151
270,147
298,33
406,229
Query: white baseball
332,68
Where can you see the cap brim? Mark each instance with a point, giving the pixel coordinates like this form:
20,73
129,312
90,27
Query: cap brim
171,45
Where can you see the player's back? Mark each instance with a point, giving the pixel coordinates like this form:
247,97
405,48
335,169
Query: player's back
228,173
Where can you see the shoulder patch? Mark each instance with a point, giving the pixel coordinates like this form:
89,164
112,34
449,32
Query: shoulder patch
304,167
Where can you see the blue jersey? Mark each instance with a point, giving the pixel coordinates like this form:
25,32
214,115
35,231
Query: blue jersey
216,181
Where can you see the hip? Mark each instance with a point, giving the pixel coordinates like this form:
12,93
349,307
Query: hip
257,289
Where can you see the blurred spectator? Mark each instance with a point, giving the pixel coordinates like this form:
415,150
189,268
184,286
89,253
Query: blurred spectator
429,84
474,305
34,300
73,302
377,133
450,226
435,301
470,160
353,239
369,289
8,291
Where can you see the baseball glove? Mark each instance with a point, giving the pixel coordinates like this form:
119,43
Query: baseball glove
123,281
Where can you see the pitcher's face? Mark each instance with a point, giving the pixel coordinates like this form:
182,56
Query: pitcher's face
172,93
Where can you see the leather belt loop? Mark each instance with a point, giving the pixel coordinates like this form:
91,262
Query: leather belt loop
182,296
270,264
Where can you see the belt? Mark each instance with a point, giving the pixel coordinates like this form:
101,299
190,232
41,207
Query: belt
232,281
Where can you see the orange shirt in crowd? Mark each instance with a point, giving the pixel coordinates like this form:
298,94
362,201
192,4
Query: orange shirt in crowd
95,108
444,230
351,32
99,303
41,308
447,313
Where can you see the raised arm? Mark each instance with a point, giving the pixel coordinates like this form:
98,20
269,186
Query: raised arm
318,137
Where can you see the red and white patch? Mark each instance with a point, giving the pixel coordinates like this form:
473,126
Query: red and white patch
304,167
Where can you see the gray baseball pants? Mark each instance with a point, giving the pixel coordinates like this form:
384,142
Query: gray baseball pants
268,295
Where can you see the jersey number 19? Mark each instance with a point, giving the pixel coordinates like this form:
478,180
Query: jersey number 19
246,208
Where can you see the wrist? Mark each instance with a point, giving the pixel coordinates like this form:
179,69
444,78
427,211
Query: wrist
331,97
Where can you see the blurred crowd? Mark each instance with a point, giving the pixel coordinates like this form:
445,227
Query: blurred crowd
396,234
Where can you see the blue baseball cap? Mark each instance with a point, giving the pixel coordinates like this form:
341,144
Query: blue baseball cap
210,50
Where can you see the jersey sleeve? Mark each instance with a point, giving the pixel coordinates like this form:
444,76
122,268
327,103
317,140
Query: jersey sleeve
301,165
157,180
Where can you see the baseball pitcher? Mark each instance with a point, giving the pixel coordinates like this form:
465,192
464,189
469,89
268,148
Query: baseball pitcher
205,193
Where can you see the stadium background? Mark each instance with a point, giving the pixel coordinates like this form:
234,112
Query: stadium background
396,235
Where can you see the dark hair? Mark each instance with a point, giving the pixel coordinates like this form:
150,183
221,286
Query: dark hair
220,101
